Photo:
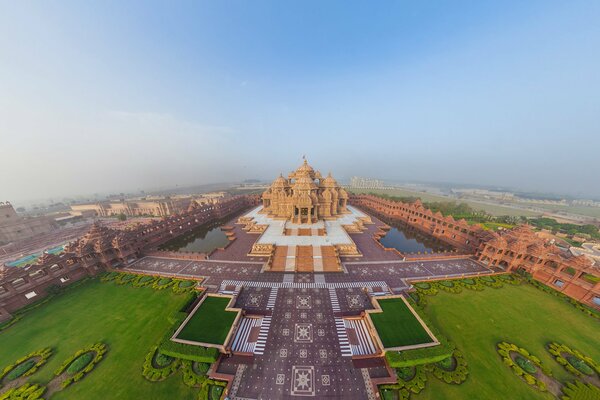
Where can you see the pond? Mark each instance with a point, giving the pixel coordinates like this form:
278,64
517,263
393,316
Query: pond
408,240
203,239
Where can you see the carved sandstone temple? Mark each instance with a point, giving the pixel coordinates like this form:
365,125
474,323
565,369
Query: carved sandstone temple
304,223
305,197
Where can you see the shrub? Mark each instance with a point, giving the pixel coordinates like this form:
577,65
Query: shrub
23,366
573,361
405,373
580,391
162,283
76,373
80,363
24,392
20,369
144,280
452,370
153,371
525,364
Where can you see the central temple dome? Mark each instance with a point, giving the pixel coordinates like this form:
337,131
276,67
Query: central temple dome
305,197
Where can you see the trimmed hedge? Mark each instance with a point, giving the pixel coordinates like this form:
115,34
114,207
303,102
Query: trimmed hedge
16,372
98,350
431,288
504,349
144,280
193,377
140,280
206,389
183,285
152,371
580,391
162,283
80,363
584,366
24,392
457,375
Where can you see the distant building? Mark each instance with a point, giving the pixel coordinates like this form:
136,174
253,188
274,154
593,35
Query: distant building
357,182
136,207
15,227
154,206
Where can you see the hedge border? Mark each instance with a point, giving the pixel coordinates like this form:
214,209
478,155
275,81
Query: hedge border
132,279
26,391
458,375
504,349
154,374
555,349
99,348
44,354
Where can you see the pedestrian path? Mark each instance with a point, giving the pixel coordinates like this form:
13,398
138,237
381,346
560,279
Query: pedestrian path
335,303
362,343
375,286
259,348
342,334
272,298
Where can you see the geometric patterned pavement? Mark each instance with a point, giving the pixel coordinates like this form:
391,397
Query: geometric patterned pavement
302,328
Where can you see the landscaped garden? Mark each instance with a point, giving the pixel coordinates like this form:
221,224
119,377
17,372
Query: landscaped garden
91,342
397,326
519,342
210,323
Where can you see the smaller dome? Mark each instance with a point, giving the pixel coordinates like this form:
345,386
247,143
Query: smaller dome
330,181
280,181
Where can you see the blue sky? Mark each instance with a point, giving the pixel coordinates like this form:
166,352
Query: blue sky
121,95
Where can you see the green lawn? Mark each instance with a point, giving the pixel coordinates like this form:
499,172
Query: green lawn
210,323
129,320
397,326
524,315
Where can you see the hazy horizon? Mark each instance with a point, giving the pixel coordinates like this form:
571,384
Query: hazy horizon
128,96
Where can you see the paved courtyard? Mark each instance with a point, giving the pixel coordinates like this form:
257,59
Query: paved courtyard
302,334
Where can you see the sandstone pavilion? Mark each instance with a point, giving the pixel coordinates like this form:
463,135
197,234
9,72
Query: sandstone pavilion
304,223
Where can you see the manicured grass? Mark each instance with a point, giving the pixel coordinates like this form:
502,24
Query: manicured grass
397,326
129,320
210,323
524,315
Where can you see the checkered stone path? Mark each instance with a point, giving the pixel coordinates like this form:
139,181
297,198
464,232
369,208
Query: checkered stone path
259,348
345,347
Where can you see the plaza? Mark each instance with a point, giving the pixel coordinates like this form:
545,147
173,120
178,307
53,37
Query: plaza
303,300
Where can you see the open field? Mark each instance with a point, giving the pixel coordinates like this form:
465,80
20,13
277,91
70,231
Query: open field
495,210
210,323
129,320
397,326
524,315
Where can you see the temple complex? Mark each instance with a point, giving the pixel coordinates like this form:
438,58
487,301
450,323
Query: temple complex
305,197
304,222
